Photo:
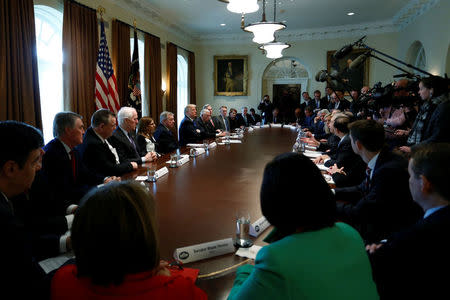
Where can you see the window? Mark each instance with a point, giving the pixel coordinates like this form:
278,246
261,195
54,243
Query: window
49,53
421,60
182,87
141,48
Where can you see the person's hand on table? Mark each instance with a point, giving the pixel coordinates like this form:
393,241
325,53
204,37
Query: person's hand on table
134,165
321,159
372,248
111,179
334,169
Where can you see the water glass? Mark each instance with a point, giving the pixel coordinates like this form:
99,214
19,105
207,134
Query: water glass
151,173
173,161
243,230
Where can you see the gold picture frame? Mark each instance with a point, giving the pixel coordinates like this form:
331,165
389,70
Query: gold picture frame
231,75
355,78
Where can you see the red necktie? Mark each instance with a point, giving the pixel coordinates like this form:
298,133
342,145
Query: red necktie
74,165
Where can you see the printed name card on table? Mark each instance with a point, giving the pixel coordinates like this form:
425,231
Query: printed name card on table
265,126
161,172
276,125
250,129
184,158
235,142
195,145
259,226
204,251
212,145
199,151
290,126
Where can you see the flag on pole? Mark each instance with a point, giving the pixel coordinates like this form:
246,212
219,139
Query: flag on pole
106,95
134,82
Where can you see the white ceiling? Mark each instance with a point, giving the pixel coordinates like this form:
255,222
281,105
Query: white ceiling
201,19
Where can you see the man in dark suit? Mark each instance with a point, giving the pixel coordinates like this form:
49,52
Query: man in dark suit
381,204
97,153
255,116
319,103
166,141
203,124
124,138
338,101
346,167
20,157
244,118
276,118
266,108
412,264
187,132
222,122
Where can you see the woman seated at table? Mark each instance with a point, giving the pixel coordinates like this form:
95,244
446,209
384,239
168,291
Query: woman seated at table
311,256
232,119
145,141
115,241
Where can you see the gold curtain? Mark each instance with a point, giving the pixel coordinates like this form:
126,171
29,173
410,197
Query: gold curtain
19,80
153,75
121,58
80,47
191,67
171,71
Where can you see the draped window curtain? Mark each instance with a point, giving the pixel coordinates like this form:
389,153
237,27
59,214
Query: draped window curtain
19,81
191,67
153,75
121,58
171,70
80,46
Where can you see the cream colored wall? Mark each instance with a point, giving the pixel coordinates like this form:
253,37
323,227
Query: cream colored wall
312,54
432,30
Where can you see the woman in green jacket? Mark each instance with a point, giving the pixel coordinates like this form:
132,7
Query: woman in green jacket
310,255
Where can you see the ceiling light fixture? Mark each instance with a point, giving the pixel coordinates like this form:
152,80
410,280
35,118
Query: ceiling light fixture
274,49
242,6
264,31
223,24
350,14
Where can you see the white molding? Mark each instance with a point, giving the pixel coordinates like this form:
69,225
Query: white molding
401,20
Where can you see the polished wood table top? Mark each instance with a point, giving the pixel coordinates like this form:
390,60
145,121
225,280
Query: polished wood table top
198,201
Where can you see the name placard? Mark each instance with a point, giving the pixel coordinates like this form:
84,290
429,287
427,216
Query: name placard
265,126
212,145
235,142
184,159
195,145
290,126
276,125
203,251
161,172
199,151
250,129
259,226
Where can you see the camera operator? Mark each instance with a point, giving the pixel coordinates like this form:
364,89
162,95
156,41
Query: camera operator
266,107
432,123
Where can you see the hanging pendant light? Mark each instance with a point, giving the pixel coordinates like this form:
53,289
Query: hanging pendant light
274,49
243,6
264,31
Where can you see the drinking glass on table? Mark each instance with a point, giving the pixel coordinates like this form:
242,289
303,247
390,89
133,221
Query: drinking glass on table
243,229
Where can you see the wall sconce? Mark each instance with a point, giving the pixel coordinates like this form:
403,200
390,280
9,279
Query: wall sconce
163,87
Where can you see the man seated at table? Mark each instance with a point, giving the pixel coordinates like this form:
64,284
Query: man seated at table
20,159
411,264
212,121
202,123
244,119
221,121
380,204
163,134
255,116
187,132
96,151
308,122
124,137
276,118
345,166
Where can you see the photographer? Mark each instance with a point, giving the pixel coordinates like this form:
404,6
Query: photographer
266,107
431,124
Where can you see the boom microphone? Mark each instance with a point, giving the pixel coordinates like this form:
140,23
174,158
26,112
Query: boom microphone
346,49
359,61
322,76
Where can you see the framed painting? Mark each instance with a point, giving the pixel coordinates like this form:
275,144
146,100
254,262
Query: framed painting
356,78
230,75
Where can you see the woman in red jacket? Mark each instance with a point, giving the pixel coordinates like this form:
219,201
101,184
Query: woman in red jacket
115,241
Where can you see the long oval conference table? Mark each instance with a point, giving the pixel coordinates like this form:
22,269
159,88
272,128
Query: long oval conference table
198,201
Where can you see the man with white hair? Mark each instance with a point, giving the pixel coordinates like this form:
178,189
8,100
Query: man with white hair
163,134
244,119
123,138
202,123
187,132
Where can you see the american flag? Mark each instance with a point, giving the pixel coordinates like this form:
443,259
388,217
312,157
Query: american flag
106,95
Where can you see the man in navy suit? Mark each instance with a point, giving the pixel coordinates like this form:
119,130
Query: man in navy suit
166,141
187,132
203,124
244,118
381,204
412,264
96,151
222,122
20,159
124,137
